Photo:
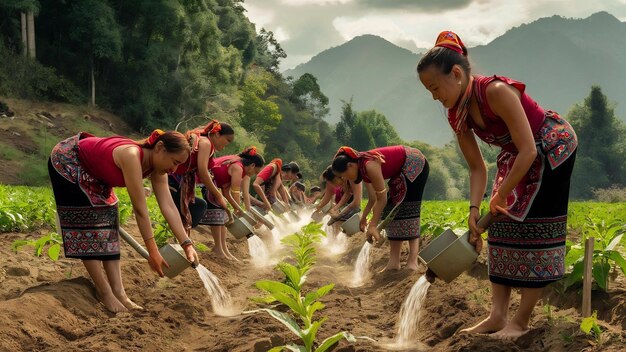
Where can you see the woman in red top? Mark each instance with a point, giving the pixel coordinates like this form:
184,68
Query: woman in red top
531,188
232,174
271,178
83,170
407,171
331,183
205,141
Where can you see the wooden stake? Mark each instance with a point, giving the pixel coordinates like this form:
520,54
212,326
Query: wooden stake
587,277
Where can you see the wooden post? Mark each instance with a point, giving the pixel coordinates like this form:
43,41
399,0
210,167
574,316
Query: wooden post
587,277
30,28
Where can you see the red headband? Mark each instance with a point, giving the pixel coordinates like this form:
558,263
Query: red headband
450,40
212,127
347,151
250,151
154,137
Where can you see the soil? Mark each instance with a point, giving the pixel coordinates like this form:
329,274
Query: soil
51,306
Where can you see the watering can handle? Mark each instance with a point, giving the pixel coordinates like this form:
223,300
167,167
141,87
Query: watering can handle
485,221
133,243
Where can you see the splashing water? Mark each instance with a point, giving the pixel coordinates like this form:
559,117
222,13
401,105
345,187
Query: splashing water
220,299
258,252
409,317
362,266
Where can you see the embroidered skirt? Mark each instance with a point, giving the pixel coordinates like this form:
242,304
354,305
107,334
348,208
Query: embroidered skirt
531,253
88,232
214,215
407,190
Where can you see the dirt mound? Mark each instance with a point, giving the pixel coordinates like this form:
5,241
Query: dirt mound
52,306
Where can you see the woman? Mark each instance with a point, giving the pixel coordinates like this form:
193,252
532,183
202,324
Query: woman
297,193
349,193
205,141
231,174
531,187
268,184
83,170
406,169
331,183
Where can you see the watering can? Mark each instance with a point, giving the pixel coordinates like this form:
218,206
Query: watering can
240,228
351,226
278,207
258,217
173,254
317,216
448,255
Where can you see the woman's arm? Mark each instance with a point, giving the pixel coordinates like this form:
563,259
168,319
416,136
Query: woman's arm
371,201
375,174
171,214
329,193
245,187
478,182
260,192
505,102
233,192
204,154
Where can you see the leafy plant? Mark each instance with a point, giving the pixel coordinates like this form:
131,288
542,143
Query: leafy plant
607,236
589,325
53,240
290,293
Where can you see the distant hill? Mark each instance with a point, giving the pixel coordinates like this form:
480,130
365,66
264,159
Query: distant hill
558,58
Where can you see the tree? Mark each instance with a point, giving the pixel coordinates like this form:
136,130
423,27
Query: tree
269,51
601,159
361,138
344,128
379,127
257,114
96,32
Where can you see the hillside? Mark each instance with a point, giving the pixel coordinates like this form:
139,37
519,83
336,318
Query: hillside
558,58
27,137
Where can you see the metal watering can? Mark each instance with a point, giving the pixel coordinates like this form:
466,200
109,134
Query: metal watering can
448,255
173,254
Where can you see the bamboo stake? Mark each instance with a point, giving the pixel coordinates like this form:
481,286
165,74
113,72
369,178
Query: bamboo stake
587,277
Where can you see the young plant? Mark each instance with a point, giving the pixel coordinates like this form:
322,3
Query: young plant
52,239
607,237
589,325
290,293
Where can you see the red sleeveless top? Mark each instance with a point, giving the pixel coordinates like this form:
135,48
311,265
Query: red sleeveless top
394,161
96,156
220,169
496,130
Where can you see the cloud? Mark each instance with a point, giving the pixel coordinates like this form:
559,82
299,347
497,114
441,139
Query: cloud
423,5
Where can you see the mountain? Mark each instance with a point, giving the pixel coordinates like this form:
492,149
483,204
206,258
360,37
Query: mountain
558,58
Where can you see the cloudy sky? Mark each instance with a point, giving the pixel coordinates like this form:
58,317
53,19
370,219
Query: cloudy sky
306,27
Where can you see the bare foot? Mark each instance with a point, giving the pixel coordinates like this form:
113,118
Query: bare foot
112,304
487,326
391,267
412,266
510,332
130,305
219,254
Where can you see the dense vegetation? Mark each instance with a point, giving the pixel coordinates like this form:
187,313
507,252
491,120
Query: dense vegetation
173,64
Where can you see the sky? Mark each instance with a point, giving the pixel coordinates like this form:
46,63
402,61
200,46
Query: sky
304,28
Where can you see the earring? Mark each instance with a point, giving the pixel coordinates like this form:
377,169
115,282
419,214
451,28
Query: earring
459,82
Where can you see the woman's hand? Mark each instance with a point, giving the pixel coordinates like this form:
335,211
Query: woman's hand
498,204
191,254
267,206
333,213
363,223
475,232
221,201
157,262
372,234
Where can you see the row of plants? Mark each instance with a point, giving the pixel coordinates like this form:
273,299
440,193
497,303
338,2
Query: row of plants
302,303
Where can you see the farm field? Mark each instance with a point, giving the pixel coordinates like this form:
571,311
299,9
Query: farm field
51,305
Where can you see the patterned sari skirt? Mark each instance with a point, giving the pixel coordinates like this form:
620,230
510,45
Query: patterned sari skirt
89,232
531,253
214,215
406,191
